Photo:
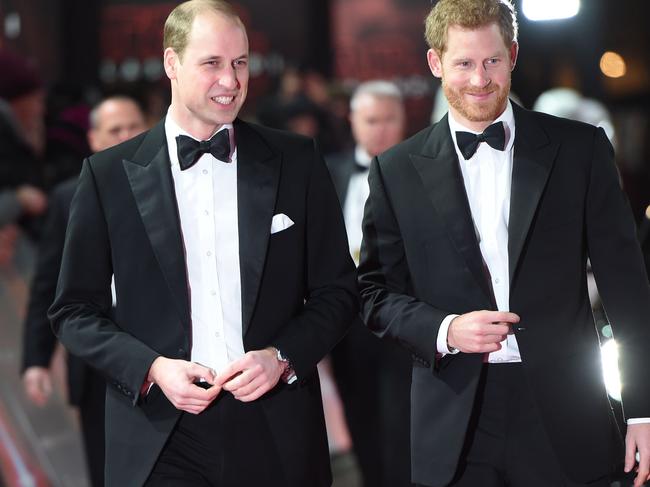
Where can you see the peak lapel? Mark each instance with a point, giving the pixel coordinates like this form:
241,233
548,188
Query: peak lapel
149,174
534,156
258,175
439,171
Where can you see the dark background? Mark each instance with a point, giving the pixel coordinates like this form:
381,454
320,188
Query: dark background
83,45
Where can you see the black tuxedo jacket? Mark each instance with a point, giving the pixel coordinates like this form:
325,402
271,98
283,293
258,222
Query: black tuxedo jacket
342,167
298,289
38,340
420,261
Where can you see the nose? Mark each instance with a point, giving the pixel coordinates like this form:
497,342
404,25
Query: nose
228,78
480,77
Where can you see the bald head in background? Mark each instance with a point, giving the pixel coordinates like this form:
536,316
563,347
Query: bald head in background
377,116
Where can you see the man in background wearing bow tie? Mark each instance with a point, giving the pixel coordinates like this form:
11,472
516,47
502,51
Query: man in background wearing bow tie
372,375
476,233
232,278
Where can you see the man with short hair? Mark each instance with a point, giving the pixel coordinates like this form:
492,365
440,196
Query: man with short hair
477,233
112,121
372,374
232,278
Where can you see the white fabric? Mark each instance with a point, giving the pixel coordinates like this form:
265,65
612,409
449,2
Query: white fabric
207,204
280,222
355,200
488,176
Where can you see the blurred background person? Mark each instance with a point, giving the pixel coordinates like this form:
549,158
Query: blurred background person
373,375
22,143
112,121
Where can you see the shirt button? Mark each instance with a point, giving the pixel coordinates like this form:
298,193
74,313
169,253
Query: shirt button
207,212
496,281
214,293
208,253
205,171
217,334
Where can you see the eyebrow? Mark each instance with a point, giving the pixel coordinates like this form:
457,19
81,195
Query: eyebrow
220,58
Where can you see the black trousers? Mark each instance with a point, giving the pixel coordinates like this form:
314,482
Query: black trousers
506,444
227,445
91,409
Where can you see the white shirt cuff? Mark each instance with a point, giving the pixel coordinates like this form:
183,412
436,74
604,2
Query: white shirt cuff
441,342
638,420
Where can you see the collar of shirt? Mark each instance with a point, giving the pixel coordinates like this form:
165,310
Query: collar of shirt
173,130
507,117
362,157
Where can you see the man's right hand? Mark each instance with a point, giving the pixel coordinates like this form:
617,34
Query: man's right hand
37,384
480,331
176,380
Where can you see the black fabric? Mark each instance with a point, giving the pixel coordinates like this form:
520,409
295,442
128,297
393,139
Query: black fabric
227,445
298,289
373,378
190,150
494,136
421,261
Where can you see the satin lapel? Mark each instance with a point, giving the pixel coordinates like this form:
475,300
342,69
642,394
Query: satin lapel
534,156
150,177
258,175
443,181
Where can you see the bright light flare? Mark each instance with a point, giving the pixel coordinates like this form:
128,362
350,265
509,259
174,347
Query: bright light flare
550,9
609,355
612,64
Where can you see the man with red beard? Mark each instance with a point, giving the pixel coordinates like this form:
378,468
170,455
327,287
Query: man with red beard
477,233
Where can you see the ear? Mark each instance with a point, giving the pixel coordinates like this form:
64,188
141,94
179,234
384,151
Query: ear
170,62
514,51
435,63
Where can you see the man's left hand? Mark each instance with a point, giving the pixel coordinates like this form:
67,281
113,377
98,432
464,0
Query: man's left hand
638,439
253,375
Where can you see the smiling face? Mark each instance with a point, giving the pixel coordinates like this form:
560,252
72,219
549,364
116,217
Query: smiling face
475,71
210,80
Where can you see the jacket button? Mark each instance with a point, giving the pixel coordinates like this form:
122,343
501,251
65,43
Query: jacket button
181,352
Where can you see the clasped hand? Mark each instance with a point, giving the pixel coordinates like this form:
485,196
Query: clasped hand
247,378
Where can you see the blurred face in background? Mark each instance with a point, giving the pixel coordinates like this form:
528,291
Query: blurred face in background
210,79
377,123
115,121
475,72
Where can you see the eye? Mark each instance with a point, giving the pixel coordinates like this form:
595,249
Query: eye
493,60
463,64
240,63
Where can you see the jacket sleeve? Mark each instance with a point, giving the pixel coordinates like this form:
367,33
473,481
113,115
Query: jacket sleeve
332,300
80,314
389,307
618,267
38,339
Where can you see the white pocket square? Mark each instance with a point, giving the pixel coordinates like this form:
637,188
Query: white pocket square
280,222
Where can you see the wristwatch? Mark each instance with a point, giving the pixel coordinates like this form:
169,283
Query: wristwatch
288,374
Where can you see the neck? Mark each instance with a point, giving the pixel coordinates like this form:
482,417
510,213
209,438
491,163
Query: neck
192,125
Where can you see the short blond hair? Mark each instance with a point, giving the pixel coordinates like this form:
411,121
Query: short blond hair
469,14
179,22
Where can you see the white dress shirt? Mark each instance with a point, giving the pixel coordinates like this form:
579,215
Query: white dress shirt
487,176
207,205
355,200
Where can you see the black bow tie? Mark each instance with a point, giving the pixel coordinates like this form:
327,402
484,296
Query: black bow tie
494,135
190,150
